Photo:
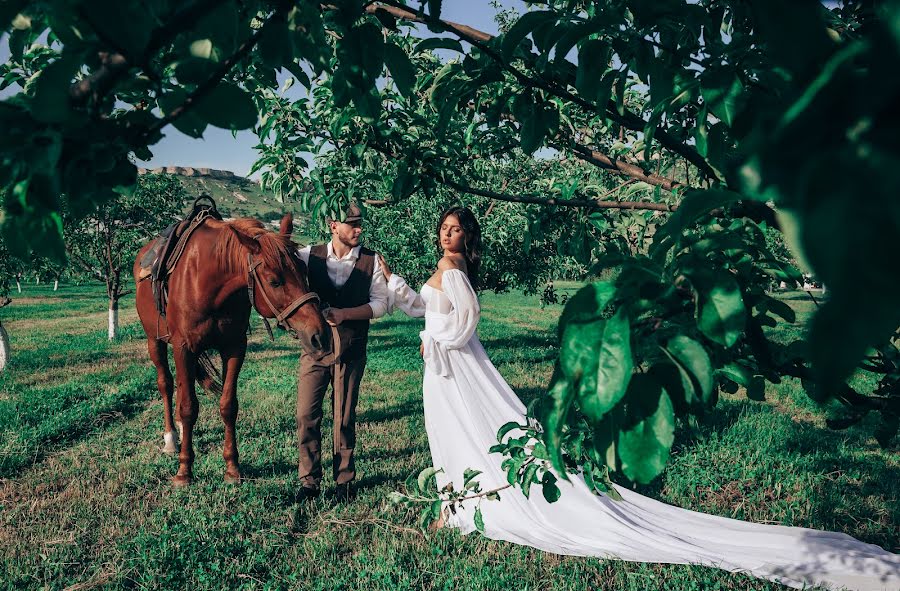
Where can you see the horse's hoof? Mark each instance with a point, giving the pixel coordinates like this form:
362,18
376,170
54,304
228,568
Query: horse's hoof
170,444
232,477
180,481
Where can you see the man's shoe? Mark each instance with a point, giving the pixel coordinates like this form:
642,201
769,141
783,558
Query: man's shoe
306,494
344,493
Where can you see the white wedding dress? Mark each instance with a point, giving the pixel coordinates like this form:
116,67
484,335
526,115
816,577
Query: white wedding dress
466,401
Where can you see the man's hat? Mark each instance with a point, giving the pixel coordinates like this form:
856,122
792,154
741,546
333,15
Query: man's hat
353,213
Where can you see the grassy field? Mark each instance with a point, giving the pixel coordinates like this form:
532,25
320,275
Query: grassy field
86,500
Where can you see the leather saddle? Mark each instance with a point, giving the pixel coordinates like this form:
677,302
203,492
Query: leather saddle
160,260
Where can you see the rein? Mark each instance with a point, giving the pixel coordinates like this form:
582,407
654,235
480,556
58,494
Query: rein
280,317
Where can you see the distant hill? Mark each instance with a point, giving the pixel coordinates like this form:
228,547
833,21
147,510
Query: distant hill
235,196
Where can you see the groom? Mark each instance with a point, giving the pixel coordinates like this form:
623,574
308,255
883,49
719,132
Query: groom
350,283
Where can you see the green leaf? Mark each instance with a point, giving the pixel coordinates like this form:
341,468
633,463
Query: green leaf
779,308
590,80
438,43
527,23
644,445
506,428
469,475
479,519
692,360
424,476
50,102
228,106
737,373
275,46
434,9
723,92
662,82
194,70
543,121
127,25
696,204
721,314
188,122
402,70
595,353
756,390
549,488
528,479
553,416
614,368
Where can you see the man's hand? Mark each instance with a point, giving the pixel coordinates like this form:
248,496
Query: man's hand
334,316
422,350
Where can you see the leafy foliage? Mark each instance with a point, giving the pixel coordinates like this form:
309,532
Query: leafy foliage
720,110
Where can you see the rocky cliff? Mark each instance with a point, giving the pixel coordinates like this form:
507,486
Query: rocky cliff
190,171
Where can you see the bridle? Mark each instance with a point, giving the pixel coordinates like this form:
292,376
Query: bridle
282,316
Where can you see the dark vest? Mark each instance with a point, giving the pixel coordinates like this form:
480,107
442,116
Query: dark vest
355,292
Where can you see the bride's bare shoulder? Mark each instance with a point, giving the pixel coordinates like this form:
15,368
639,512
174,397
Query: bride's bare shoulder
446,263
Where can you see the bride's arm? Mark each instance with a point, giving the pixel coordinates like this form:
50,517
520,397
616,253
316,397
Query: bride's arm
400,295
466,310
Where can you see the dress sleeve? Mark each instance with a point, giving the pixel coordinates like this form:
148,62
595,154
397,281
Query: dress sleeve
465,313
378,292
402,296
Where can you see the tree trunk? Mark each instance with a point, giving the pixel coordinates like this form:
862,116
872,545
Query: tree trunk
55,284
18,285
4,347
113,332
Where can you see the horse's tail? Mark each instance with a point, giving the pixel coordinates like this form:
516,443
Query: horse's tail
209,376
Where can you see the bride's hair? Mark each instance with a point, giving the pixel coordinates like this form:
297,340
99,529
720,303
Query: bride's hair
471,232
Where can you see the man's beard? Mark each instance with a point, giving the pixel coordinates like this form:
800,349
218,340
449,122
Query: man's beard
349,242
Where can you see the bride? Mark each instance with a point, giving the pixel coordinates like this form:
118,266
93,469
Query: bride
466,401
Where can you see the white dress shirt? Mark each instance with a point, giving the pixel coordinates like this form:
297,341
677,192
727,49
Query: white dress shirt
339,270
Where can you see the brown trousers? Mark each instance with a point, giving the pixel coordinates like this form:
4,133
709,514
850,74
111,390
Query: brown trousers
312,383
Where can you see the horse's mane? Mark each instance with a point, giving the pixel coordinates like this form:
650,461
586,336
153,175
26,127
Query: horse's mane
276,250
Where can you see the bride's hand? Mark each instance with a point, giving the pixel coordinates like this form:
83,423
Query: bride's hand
422,350
384,267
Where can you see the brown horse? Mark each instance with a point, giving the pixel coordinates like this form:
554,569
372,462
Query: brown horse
224,265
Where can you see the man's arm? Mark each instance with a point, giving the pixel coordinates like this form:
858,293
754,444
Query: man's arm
378,301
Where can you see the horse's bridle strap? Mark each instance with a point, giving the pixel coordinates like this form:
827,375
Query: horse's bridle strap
280,317
293,306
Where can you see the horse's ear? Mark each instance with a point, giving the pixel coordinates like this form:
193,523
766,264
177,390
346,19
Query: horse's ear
287,224
249,242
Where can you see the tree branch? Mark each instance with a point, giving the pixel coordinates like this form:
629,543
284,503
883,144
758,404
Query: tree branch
583,202
587,203
563,142
479,39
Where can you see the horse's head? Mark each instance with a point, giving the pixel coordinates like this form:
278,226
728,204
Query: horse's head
278,285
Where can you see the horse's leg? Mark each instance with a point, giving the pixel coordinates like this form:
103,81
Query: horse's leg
164,383
185,371
232,360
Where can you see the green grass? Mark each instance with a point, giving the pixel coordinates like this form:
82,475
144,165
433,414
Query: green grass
86,500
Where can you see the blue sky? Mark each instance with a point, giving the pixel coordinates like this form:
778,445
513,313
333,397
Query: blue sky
219,149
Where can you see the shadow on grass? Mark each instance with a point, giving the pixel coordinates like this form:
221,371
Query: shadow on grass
390,413
824,475
81,419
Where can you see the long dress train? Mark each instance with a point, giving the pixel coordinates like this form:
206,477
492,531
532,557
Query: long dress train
466,401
